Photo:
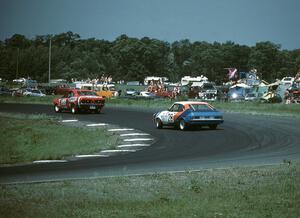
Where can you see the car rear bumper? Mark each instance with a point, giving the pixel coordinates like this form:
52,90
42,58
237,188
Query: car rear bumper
91,106
205,122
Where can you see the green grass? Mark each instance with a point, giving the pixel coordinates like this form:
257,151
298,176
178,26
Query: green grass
25,138
270,191
239,107
260,108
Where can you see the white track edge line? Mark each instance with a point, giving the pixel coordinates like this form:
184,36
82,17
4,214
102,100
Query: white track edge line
134,134
119,130
68,121
91,155
138,139
116,151
49,161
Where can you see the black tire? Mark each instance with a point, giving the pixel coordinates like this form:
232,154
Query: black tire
98,111
182,125
213,126
158,123
57,109
74,110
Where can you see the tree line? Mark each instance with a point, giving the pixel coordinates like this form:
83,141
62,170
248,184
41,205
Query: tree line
132,59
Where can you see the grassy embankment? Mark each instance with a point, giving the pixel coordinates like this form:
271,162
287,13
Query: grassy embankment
269,191
25,138
159,104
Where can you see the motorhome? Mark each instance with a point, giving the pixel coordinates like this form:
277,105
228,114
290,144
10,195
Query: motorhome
155,79
199,80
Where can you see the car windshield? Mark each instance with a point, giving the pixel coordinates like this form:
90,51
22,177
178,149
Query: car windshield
201,107
85,93
287,79
208,86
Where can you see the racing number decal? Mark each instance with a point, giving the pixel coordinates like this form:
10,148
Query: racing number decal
167,117
171,117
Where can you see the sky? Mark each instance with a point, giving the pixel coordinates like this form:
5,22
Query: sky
244,22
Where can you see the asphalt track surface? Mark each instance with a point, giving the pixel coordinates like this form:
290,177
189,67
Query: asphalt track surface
242,140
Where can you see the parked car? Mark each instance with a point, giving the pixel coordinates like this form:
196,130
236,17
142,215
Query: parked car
5,91
271,97
34,93
189,113
294,92
131,92
20,80
287,80
107,91
236,94
251,97
146,94
79,100
208,92
17,92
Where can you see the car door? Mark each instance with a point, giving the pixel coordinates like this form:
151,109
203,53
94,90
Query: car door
168,116
35,93
64,101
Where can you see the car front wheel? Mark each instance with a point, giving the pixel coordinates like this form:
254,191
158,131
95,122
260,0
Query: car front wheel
98,111
158,123
74,109
56,109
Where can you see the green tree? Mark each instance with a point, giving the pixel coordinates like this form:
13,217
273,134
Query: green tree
265,58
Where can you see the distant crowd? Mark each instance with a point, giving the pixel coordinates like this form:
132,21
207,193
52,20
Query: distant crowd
100,80
156,86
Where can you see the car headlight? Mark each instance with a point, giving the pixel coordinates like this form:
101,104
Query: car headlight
234,95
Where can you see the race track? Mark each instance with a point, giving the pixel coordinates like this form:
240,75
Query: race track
241,140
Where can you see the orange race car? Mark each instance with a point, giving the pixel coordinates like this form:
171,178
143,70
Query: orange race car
187,113
79,100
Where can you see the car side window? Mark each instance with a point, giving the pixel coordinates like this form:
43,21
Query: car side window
177,108
180,108
173,108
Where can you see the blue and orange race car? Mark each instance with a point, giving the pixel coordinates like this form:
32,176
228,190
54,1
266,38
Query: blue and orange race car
189,113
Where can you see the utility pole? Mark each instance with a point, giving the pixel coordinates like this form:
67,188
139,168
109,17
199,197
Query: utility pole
49,75
17,68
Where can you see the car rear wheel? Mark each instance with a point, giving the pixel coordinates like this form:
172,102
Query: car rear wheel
56,109
98,111
214,126
158,123
182,125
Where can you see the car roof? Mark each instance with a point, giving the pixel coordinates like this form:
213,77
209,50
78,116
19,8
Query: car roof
85,90
191,102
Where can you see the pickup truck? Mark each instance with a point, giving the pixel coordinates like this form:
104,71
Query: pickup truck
79,100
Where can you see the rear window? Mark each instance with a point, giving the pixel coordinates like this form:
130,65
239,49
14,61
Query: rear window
85,93
201,107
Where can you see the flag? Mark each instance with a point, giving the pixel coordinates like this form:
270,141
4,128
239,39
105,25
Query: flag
297,75
232,72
